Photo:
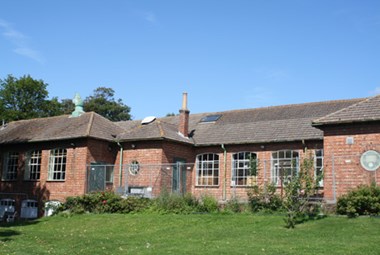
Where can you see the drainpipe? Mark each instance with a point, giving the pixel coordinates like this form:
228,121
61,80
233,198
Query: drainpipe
225,172
120,164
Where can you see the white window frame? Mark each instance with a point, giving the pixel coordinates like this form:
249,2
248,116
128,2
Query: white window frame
207,169
285,164
241,163
318,165
33,165
10,167
57,165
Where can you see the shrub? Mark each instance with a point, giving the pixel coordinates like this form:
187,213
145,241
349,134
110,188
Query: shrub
104,202
264,199
234,206
364,200
208,204
175,203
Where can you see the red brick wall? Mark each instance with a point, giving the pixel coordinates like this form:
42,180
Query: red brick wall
342,160
263,151
79,153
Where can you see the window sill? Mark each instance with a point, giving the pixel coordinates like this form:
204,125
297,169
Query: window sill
55,180
206,186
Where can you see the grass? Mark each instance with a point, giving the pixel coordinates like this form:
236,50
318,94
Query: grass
189,234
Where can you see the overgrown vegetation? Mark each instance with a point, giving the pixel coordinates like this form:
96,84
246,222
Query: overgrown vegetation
364,200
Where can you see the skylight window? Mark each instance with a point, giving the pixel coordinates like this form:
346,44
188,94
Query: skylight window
211,118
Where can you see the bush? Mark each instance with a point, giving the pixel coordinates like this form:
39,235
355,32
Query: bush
104,202
264,199
175,203
234,206
208,204
364,200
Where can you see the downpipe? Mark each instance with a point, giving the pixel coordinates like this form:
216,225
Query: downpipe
224,197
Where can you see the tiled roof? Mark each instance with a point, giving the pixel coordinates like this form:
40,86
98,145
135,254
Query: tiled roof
364,111
158,129
261,125
59,128
268,124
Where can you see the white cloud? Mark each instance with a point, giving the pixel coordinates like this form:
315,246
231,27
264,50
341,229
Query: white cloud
20,42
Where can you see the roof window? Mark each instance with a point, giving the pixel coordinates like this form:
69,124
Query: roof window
211,118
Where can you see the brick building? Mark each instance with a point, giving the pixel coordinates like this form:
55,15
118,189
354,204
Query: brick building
53,158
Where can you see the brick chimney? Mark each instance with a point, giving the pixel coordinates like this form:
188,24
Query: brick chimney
183,126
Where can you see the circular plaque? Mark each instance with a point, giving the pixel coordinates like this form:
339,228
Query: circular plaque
370,160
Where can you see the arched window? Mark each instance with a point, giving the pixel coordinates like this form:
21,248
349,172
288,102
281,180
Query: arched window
285,165
207,169
244,165
57,165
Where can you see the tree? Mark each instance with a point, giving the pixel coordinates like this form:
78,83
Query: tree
103,103
23,98
67,106
299,191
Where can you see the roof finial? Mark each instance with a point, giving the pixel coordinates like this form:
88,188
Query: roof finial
78,102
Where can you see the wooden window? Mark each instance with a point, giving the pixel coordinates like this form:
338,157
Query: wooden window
285,165
33,165
207,170
57,165
10,166
244,168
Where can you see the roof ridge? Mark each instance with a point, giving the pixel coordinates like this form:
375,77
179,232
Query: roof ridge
278,106
344,109
90,124
159,125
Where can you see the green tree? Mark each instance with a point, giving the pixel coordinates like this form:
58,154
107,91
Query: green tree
67,106
103,103
23,98
299,191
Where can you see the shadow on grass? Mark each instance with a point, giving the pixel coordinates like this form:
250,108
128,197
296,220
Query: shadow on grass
6,234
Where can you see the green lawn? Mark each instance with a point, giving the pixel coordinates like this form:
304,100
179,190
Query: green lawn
189,234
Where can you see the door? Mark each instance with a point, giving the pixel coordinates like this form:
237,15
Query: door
96,177
179,176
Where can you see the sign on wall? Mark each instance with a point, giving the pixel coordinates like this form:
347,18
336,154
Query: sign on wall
370,160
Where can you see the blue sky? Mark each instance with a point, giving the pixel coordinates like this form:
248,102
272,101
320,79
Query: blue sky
226,54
